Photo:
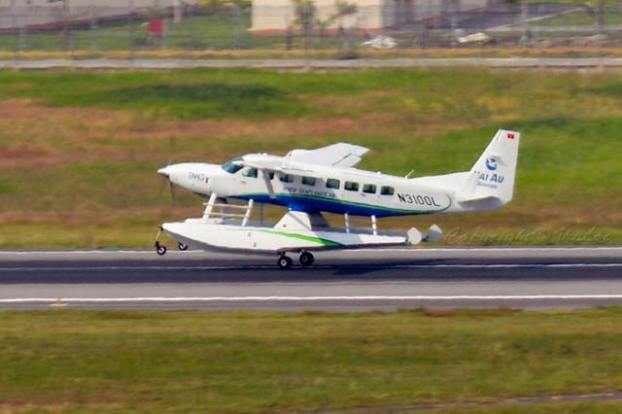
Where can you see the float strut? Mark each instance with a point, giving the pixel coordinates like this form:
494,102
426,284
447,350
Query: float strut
346,217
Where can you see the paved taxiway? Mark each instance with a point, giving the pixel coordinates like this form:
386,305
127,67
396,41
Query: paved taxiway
388,279
536,63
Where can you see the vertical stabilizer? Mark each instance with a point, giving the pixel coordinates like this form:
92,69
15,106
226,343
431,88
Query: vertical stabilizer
491,180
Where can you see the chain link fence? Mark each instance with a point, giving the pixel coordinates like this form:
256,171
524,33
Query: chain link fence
134,25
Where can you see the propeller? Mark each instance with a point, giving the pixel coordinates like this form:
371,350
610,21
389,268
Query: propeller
172,143
170,185
172,192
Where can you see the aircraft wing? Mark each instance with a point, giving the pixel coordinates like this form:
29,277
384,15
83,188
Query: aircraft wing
271,165
336,155
266,164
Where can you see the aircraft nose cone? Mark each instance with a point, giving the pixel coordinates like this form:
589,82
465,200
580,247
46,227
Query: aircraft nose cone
165,171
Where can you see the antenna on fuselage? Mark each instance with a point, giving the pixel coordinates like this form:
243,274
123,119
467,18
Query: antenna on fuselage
409,174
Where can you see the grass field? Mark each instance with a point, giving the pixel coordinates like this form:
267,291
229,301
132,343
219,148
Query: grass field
191,362
79,150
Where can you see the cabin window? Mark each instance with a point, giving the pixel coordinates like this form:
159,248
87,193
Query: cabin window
351,186
232,166
286,178
250,172
387,191
308,181
369,188
333,183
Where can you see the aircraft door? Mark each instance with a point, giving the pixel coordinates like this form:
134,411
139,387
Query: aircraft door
247,176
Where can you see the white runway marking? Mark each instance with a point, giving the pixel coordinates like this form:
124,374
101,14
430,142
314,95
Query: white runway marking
489,249
413,250
88,252
266,267
309,298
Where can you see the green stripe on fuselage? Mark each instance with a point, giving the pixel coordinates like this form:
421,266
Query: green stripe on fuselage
313,239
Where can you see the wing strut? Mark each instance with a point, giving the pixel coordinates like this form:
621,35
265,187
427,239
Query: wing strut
266,179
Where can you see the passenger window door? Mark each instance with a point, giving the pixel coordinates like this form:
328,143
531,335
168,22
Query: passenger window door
369,191
386,194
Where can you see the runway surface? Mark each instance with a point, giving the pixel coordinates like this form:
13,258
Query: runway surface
557,63
389,279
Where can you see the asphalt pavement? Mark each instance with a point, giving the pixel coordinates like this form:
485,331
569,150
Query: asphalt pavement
371,279
557,63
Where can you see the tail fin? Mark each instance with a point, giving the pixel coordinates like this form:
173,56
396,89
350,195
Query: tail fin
491,180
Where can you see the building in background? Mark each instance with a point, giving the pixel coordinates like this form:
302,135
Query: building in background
372,16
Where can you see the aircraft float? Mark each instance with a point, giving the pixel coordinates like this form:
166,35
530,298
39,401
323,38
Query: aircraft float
311,182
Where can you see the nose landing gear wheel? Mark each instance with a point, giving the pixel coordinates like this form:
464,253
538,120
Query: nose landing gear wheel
160,249
182,247
284,262
306,259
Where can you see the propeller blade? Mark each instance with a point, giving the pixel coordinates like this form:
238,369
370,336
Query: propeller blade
172,192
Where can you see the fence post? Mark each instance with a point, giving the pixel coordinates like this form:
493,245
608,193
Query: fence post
66,26
599,15
452,6
526,37
93,29
237,29
166,28
16,40
177,11
130,27
191,22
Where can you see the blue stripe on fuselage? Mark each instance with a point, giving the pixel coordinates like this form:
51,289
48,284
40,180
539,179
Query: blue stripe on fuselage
313,205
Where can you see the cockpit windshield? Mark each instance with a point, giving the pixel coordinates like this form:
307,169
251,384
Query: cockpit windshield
231,167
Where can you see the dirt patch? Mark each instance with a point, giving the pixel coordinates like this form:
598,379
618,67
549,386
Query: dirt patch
100,216
473,405
24,407
37,136
20,152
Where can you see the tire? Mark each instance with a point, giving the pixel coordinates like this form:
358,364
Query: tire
182,247
161,250
306,259
284,262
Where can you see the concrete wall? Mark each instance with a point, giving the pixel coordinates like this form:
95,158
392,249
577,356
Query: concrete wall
24,13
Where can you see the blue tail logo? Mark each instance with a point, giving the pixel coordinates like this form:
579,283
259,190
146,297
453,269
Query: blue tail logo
491,164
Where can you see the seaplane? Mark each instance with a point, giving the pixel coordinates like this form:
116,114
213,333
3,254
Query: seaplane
311,182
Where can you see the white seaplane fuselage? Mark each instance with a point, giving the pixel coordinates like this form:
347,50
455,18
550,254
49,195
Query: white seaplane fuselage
334,190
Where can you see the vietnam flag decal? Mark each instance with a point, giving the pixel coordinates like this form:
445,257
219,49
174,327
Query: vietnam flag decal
510,135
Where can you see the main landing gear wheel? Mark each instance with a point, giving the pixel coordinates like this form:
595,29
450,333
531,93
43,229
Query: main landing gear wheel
306,259
284,262
182,247
160,249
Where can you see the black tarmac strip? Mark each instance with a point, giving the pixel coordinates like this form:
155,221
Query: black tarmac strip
371,279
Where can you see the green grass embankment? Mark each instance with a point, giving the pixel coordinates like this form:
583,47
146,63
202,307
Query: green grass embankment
467,361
